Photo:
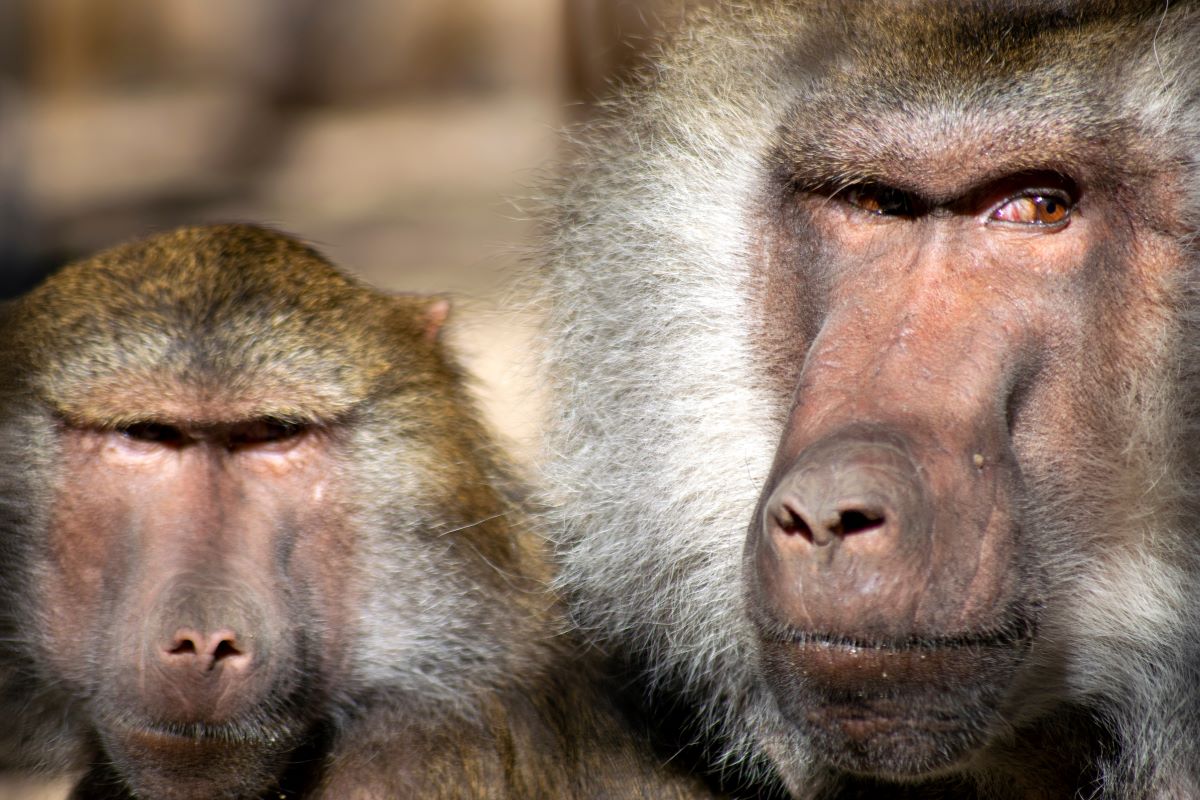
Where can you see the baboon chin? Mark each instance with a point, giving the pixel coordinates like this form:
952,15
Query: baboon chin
872,336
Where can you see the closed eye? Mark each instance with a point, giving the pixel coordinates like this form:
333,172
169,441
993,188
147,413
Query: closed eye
264,431
153,432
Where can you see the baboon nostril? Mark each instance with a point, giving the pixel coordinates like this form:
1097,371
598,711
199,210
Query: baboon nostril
225,649
857,521
204,650
183,647
793,524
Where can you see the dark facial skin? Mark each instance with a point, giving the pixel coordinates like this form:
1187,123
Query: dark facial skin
178,544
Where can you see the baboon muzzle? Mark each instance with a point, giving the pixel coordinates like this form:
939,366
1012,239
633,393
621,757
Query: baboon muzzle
860,540
880,572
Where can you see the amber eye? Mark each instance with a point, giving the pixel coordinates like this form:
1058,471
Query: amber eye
152,432
1035,209
884,201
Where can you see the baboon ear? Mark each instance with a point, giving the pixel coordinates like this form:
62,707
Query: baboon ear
436,314
431,312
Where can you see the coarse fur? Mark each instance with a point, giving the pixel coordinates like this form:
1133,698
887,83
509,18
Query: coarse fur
670,391
428,657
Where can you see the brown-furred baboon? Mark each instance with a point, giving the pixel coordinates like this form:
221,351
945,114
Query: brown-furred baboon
257,543
872,336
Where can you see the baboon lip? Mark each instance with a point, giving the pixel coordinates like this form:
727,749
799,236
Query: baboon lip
836,669
1017,632
254,730
843,666
224,735
1017,628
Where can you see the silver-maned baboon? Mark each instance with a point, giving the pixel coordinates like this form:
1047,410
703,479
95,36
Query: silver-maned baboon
872,328
257,544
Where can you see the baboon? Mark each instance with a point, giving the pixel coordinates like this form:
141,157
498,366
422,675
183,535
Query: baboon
258,544
871,333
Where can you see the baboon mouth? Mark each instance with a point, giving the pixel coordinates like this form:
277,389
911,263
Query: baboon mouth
1020,630
232,734
835,666
259,730
234,759
895,705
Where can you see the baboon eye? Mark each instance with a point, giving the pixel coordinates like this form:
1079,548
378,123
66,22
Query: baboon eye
155,432
264,431
884,201
1036,208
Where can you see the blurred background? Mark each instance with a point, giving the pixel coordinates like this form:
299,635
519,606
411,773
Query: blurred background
398,136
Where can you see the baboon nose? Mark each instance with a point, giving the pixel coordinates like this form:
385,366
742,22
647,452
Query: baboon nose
205,650
841,491
844,534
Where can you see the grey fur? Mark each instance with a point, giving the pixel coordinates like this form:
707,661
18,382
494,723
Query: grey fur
662,426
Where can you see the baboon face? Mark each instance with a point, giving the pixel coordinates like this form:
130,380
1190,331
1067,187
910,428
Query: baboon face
910,293
198,587
981,285
231,459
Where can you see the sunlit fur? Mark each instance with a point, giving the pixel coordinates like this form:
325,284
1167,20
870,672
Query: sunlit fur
662,426
412,645
437,530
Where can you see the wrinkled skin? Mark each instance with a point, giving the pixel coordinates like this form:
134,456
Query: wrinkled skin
876,324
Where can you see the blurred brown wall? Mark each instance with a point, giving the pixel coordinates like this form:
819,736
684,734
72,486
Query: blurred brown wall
120,117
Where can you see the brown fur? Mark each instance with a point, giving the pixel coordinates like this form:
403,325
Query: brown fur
215,432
